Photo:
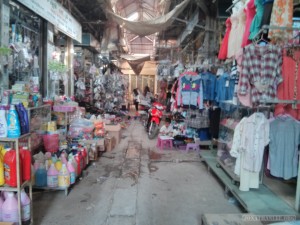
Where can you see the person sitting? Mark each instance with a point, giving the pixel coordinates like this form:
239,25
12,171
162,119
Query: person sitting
166,129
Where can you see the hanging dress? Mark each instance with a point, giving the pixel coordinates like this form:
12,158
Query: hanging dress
250,11
224,46
232,36
256,22
282,16
240,30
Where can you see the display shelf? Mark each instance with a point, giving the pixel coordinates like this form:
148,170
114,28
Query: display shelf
15,189
260,201
20,186
66,189
230,173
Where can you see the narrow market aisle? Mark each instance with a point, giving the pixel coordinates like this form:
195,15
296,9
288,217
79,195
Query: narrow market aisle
137,184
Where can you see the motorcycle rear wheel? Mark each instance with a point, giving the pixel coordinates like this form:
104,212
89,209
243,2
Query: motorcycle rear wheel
153,130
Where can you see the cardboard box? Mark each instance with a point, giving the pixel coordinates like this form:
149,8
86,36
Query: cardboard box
114,131
110,143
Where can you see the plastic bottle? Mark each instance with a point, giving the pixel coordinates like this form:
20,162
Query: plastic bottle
64,177
26,209
3,123
79,161
10,168
10,209
13,123
25,118
41,176
71,170
1,203
84,156
74,163
58,165
26,163
52,176
21,119
2,153
63,158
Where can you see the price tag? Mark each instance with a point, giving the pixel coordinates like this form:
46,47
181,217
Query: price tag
227,83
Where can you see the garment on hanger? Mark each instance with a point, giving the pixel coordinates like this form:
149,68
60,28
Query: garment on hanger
282,16
250,137
209,86
256,22
261,72
214,118
268,6
289,89
190,90
224,45
197,118
250,12
284,141
238,20
225,88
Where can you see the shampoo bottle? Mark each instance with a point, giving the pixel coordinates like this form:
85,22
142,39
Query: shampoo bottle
3,123
13,123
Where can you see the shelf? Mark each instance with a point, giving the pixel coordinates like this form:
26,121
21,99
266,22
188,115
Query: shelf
8,188
229,172
14,139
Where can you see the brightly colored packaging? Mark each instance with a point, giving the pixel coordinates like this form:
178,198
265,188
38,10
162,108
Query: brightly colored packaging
3,123
24,115
1,203
2,153
58,165
26,209
84,156
79,161
74,163
10,168
52,176
71,170
63,158
41,176
13,123
10,209
26,163
64,177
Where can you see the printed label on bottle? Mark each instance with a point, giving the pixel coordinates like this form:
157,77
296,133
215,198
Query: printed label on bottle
6,172
63,181
10,215
52,181
72,178
26,212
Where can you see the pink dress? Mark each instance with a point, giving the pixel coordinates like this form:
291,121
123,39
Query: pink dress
250,11
224,45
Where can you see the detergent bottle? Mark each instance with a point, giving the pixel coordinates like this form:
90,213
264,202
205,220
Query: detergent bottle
71,170
26,163
41,176
2,153
64,177
63,158
58,165
24,118
26,209
84,156
79,160
10,209
1,203
3,122
13,123
52,176
10,168
74,163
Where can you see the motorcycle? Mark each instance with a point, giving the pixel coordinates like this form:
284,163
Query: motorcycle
155,114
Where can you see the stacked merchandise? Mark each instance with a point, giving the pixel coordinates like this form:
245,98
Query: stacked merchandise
8,177
109,91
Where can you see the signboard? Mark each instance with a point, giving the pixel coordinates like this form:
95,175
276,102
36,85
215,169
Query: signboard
56,14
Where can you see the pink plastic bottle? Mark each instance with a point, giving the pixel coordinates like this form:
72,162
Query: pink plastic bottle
1,203
63,158
26,210
10,209
52,176
71,170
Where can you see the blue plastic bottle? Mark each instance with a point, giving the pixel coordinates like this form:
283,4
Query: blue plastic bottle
41,176
23,116
13,123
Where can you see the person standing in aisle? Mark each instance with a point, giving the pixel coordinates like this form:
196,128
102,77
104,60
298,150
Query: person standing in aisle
136,99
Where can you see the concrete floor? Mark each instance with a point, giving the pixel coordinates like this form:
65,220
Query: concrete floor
137,184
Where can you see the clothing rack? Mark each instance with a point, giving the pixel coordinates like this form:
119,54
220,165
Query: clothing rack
278,101
227,10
